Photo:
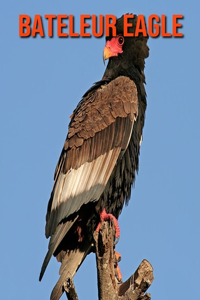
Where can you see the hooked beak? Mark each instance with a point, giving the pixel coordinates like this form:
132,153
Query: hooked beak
106,53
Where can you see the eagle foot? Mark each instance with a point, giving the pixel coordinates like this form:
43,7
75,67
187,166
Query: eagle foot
104,217
118,256
118,273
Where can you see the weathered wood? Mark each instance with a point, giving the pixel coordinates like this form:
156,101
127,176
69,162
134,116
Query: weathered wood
70,289
135,287
104,243
108,286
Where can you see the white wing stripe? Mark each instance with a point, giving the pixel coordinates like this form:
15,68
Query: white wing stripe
71,185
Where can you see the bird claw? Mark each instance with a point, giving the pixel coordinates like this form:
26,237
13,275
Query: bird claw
104,217
118,256
116,240
118,273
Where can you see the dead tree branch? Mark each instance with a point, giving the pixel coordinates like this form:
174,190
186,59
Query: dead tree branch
108,285
70,290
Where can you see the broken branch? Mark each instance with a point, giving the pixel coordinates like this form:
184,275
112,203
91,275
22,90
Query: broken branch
108,286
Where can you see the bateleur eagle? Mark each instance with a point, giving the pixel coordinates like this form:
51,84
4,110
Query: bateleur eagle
100,156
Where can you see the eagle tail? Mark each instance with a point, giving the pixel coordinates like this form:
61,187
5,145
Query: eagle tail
70,264
54,242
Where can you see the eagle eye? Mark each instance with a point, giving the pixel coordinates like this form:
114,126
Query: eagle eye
121,40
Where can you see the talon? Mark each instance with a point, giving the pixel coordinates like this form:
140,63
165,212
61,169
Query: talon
118,273
116,240
104,217
117,256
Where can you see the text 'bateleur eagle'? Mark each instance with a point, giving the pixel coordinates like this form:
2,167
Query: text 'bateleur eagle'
100,156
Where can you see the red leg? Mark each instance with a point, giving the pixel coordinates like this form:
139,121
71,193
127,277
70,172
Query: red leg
104,217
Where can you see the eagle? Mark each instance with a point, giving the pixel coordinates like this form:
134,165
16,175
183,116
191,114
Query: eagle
100,157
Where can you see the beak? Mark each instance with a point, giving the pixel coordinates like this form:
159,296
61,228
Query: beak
106,54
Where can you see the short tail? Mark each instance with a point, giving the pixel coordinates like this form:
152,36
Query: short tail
70,264
54,242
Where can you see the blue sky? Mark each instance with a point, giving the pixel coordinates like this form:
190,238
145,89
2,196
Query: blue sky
42,80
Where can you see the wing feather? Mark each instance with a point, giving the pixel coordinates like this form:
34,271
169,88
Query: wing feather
80,186
99,130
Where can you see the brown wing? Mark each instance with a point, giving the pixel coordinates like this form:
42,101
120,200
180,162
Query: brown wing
100,129
99,133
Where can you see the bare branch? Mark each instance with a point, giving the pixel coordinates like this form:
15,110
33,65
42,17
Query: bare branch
108,286
104,242
70,289
135,287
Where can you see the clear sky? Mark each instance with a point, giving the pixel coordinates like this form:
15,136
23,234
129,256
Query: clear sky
42,80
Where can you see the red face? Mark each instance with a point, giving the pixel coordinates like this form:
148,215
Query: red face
113,47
